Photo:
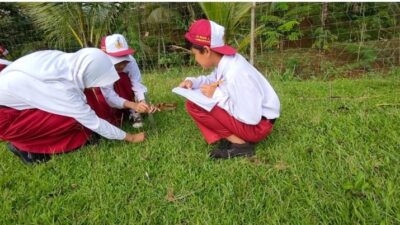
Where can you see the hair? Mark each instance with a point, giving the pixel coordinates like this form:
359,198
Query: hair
190,45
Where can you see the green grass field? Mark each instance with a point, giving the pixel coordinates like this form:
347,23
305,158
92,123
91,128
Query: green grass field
333,158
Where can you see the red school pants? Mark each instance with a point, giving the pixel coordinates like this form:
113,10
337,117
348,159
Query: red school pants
218,124
95,98
2,67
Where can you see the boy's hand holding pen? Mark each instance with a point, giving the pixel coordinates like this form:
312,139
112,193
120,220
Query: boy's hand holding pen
209,89
206,89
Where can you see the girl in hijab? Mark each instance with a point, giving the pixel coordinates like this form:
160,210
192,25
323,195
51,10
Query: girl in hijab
43,109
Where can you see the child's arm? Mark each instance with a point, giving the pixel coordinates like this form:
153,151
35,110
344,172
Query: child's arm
209,89
201,80
112,98
132,69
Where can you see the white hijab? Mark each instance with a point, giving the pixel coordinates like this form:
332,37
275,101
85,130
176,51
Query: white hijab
5,62
53,81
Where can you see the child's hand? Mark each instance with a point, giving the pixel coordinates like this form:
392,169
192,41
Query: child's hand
186,84
153,109
208,89
142,107
135,138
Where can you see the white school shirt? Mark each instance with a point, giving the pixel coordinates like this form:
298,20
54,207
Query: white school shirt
244,93
113,99
53,81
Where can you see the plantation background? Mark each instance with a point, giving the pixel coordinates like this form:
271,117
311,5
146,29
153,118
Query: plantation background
294,40
334,154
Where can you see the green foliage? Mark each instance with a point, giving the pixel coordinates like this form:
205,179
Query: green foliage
17,31
152,28
365,55
171,59
278,26
290,69
227,14
288,26
323,38
363,21
273,38
72,24
161,15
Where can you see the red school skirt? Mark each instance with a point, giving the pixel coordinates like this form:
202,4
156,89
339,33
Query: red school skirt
37,131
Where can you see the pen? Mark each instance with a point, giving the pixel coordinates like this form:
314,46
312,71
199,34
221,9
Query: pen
217,83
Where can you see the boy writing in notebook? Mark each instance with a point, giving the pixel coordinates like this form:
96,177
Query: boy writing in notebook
247,104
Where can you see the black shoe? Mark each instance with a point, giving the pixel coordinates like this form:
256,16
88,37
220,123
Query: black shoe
222,144
235,150
28,157
94,139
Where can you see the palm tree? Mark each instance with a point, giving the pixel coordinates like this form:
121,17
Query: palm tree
230,15
67,24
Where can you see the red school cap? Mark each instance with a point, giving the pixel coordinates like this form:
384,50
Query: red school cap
3,51
208,33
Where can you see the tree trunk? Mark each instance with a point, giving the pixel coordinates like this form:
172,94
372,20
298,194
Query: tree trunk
363,28
324,16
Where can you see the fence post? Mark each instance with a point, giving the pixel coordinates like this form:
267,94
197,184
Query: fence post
252,34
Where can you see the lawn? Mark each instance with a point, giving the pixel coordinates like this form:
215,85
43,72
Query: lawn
333,158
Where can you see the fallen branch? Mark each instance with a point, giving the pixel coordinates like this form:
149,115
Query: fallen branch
340,97
387,104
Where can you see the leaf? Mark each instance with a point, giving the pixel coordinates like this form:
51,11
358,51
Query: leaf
272,19
227,14
280,6
293,36
281,166
70,23
348,186
288,26
170,197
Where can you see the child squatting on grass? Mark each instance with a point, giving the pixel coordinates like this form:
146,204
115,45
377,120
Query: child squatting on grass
247,104
127,95
43,109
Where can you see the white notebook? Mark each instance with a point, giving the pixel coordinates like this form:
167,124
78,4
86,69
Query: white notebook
195,96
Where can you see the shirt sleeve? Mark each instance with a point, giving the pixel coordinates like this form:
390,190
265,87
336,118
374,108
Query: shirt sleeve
132,69
103,128
204,79
112,98
109,131
88,118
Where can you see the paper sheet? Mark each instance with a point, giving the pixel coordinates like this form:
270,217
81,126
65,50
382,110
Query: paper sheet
195,96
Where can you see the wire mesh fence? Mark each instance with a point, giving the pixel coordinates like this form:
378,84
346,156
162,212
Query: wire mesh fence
291,40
